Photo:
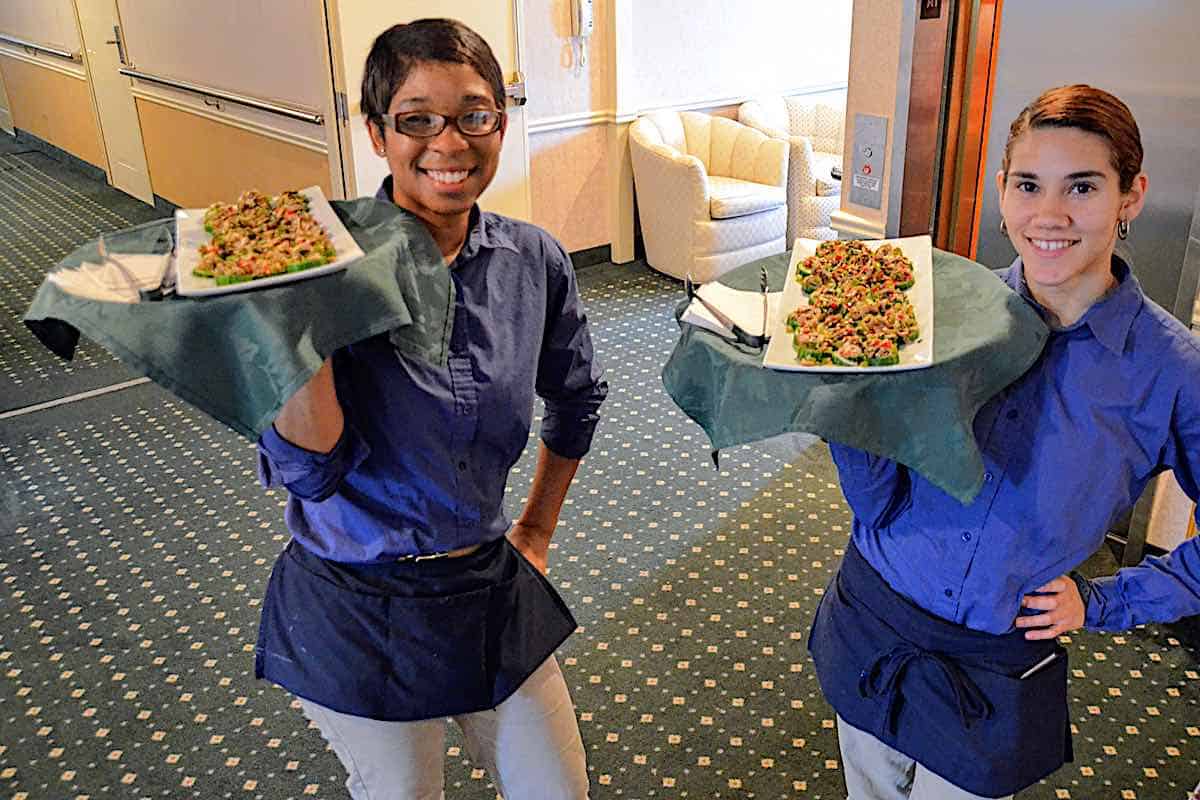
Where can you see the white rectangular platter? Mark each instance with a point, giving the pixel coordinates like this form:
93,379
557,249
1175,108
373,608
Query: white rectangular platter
917,355
190,234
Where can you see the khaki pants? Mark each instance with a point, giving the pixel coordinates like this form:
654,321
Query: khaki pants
875,771
529,744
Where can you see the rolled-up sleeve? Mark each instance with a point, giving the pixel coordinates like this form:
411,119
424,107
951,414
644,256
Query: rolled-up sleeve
1160,588
877,489
569,377
306,474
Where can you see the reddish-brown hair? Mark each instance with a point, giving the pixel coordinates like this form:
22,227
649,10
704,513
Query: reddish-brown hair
1089,109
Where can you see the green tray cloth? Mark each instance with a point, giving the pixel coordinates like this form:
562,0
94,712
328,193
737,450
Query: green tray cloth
240,356
985,337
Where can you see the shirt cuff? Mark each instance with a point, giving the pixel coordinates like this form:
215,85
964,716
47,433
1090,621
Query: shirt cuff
307,474
1085,593
569,440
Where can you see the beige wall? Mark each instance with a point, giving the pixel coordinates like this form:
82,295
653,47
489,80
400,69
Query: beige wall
53,104
569,172
690,51
556,88
680,53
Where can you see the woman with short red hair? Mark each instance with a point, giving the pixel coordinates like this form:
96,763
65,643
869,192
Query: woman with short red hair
935,643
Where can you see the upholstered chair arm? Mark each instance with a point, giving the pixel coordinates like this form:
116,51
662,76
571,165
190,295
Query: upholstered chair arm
671,180
801,169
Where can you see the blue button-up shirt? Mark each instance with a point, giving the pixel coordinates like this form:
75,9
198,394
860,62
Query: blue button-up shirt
1113,400
425,454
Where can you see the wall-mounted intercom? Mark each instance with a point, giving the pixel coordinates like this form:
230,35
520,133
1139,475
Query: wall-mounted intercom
583,23
583,20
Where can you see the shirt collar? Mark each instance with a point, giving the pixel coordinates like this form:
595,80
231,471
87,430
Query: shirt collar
483,230
1110,318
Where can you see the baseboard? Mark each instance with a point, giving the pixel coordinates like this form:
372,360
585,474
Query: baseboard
76,164
27,139
591,256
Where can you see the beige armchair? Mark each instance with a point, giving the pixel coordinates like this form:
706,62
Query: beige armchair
710,192
815,134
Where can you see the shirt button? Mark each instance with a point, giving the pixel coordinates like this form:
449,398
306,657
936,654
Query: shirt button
1013,413
966,537
987,477
949,593
462,466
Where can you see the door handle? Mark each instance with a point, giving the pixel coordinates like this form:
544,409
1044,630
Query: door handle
120,45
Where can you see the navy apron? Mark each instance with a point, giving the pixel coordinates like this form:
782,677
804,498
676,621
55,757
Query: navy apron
945,695
406,641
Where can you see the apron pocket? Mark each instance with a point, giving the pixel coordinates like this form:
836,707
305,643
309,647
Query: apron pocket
1029,715
528,622
439,654
322,642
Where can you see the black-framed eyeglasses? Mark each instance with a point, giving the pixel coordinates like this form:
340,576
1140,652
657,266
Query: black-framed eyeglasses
426,124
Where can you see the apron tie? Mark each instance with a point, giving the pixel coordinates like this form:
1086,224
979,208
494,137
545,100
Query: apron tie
883,677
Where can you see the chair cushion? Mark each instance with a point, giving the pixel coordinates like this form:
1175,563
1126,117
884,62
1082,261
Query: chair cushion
730,197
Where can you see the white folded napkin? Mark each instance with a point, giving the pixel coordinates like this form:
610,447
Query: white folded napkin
109,282
744,308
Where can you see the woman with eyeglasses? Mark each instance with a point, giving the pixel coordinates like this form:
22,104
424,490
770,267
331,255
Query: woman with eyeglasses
936,642
405,596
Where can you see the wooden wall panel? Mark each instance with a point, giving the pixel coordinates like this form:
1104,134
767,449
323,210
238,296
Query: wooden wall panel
195,161
53,106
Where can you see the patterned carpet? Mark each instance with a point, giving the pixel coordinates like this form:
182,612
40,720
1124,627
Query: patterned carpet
135,543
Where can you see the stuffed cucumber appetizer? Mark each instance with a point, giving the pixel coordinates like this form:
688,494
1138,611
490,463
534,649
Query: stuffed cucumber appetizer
858,314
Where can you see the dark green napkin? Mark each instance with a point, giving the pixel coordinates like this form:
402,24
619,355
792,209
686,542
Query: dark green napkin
240,356
985,337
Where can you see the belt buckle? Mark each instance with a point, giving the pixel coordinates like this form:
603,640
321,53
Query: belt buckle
431,556
414,557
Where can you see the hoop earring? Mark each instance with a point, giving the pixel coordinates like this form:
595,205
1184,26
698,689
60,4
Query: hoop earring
1122,229
1003,226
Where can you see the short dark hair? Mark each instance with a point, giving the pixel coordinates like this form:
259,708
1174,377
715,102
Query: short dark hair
401,47
1088,109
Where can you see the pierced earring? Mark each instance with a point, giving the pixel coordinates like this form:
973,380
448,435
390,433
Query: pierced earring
1122,229
1003,226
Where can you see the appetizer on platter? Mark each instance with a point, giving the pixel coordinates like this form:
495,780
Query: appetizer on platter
857,313
260,236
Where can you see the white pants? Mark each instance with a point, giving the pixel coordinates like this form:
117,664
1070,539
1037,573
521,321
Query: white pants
529,744
875,771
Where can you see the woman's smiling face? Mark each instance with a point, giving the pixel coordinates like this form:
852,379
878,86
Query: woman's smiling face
441,176
1061,201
